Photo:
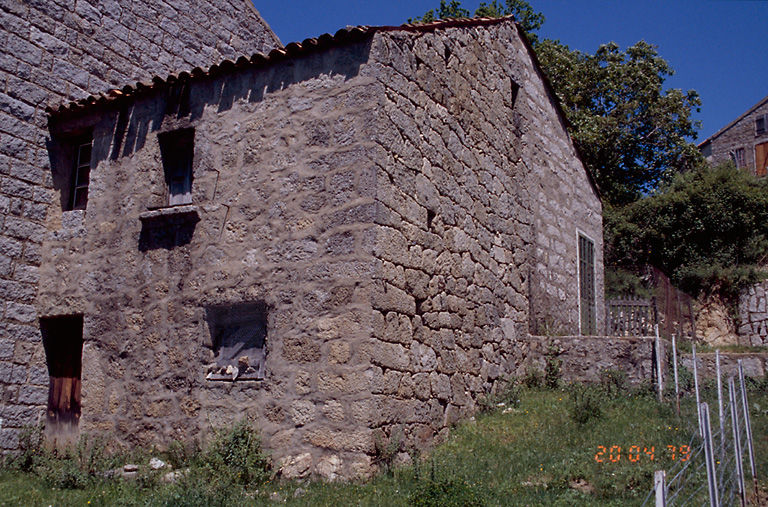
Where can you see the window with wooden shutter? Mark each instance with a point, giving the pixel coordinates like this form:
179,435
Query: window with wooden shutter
63,343
588,320
176,149
761,159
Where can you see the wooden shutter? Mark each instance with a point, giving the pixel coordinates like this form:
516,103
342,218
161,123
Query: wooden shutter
761,159
63,342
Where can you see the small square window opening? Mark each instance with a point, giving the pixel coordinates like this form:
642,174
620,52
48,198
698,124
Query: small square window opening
176,150
239,334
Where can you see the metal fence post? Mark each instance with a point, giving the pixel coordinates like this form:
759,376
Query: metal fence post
674,365
747,425
711,475
658,364
660,487
696,388
736,442
720,411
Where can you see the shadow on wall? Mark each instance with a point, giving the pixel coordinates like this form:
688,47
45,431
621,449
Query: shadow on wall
167,232
186,100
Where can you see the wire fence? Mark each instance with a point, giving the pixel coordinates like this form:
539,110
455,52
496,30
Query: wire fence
721,451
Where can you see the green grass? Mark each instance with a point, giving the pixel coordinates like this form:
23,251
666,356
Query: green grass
535,454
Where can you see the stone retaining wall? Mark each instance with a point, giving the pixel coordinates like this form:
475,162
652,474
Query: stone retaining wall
755,365
753,314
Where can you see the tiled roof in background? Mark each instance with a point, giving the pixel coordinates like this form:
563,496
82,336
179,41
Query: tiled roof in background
292,50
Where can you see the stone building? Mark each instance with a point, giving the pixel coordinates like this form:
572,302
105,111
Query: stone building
352,235
744,141
355,235
58,50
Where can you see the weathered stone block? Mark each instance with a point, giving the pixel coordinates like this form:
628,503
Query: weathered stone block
302,412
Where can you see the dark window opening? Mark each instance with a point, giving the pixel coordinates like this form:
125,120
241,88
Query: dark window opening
176,150
73,156
239,334
761,122
587,286
63,343
430,218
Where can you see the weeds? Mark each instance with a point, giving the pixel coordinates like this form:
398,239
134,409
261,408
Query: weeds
235,457
614,382
508,393
445,493
552,366
386,448
586,404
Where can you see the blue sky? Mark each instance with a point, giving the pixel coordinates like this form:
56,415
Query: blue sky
717,47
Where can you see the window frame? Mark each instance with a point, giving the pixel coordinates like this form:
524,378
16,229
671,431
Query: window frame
761,119
588,301
177,153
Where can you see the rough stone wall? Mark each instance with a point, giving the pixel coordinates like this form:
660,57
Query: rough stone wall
565,204
584,358
753,314
466,158
284,191
374,196
755,365
57,50
740,135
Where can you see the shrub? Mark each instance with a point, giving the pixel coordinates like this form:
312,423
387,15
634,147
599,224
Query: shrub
533,377
613,382
552,366
586,404
235,456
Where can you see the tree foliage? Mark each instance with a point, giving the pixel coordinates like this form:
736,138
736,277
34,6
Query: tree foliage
528,19
707,229
632,133
445,11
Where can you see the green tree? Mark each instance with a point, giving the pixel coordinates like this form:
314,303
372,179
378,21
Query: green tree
445,11
632,134
528,19
707,229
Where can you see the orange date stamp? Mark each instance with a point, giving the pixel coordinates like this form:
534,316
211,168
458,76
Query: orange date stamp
634,454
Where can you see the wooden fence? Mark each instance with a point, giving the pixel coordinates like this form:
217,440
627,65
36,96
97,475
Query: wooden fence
630,317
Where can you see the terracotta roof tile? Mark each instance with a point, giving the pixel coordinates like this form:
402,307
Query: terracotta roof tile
292,50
